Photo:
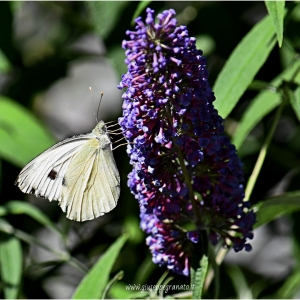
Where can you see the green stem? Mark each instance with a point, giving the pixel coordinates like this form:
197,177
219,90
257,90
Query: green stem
23,236
215,267
295,73
263,152
78,265
118,276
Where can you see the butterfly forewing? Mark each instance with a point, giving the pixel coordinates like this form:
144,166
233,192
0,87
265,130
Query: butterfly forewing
48,168
79,172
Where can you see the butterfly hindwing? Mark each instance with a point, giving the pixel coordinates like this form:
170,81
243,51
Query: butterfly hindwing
110,180
92,182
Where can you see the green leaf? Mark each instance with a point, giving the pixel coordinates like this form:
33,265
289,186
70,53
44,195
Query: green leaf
132,228
20,207
160,281
295,15
295,102
16,6
206,43
144,271
93,284
105,15
118,291
198,278
290,286
239,282
10,265
258,85
287,53
260,106
242,65
272,208
249,147
263,103
22,136
140,8
7,44
116,56
276,11
5,65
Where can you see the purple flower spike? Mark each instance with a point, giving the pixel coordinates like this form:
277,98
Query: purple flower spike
185,170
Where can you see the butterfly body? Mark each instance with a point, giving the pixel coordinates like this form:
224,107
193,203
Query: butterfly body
80,173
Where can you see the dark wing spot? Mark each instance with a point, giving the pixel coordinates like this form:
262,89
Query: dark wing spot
52,175
32,191
64,182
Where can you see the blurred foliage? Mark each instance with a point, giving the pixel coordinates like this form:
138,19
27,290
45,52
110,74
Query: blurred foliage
40,250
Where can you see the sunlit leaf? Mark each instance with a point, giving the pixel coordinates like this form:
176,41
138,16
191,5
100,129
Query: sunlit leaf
93,284
287,53
260,106
263,103
198,276
22,136
140,8
272,208
295,102
242,65
10,265
118,291
276,11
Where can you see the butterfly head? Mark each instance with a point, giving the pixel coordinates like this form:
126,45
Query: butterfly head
100,129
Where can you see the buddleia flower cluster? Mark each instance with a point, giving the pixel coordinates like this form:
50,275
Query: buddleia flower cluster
186,174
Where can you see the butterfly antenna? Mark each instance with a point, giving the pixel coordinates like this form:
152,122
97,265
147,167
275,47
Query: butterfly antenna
93,102
101,96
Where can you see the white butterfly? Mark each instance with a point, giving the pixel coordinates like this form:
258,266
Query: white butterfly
79,172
